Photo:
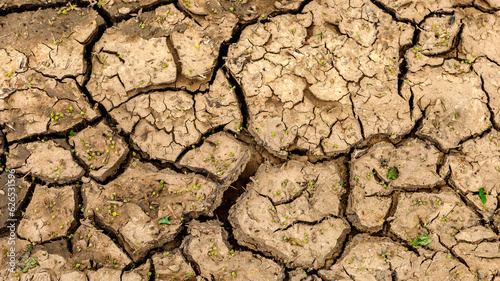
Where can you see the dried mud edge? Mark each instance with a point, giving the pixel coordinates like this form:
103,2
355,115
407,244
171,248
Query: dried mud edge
239,186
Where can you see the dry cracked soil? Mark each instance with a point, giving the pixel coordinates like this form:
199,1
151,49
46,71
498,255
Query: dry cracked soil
207,140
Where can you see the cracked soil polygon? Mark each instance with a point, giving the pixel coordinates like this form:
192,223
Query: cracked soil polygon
163,124
12,184
220,155
385,168
476,167
133,204
380,258
286,67
453,106
47,160
49,215
292,212
207,247
32,104
100,149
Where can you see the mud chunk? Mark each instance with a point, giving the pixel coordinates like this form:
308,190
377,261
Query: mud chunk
31,104
453,106
377,258
163,124
12,256
218,107
206,245
382,111
45,160
383,168
480,32
101,149
477,167
288,81
172,265
439,33
50,214
122,66
483,258
147,207
126,59
221,155
12,184
491,82
55,39
440,215
48,262
93,249
291,212
417,10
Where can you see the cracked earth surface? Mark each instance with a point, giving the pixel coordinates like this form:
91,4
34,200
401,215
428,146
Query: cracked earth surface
298,140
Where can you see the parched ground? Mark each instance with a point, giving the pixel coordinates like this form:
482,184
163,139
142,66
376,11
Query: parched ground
298,140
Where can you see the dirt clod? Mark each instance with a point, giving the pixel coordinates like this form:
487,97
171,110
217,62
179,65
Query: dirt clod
206,246
374,178
292,212
46,160
147,207
100,149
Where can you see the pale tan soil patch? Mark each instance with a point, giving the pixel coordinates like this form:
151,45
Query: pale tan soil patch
221,155
206,245
9,4
291,212
32,104
439,34
476,167
126,58
118,8
452,105
250,140
21,248
163,124
94,249
483,258
480,35
488,71
100,149
380,258
245,10
384,168
49,215
46,160
54,40
133,204
417,10
301,275
286,74
443,216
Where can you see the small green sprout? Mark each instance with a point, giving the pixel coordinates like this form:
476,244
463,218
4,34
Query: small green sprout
482,195
421,240
393,173
164,221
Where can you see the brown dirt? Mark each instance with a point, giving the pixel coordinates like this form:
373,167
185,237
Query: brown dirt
217,140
